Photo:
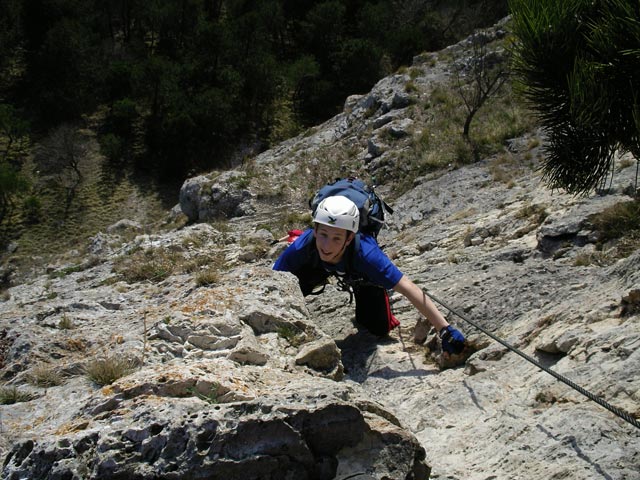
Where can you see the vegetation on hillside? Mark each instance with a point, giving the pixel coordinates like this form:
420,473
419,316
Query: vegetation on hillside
183,82
109,102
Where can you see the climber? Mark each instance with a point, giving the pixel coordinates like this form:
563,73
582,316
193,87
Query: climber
334,246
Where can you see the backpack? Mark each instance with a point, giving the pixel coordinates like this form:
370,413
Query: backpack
371,206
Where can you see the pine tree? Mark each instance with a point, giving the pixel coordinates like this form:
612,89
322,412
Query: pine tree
578,62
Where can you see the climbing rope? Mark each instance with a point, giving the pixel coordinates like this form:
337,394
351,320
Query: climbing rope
615,410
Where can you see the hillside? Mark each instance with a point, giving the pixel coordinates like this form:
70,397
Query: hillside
183,355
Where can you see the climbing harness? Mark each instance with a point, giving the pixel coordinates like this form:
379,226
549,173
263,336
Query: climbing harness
615,410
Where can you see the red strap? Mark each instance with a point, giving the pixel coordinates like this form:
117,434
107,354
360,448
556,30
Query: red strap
392,321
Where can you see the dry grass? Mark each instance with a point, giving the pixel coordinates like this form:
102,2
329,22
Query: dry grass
157,264
108,369
152,264
462,214
208,277
535,212
618,221
11,395
66,323
45,376
618,230
597,258
440,143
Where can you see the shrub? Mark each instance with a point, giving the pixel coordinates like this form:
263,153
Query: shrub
538,213
112,146
32,208
66,323
597,258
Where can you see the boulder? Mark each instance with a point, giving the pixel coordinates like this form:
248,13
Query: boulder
212,197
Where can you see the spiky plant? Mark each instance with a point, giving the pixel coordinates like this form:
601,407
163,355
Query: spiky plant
578,63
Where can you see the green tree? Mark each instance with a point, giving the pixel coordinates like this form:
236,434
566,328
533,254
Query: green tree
185,81
10,36
14,136
578,63
12,185
478,79
63,153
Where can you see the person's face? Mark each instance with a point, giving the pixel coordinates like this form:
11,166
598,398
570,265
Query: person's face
331,242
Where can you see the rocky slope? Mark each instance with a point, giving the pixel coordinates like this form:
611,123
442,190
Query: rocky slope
230,373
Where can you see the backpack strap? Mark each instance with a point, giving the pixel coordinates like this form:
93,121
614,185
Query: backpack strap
350,280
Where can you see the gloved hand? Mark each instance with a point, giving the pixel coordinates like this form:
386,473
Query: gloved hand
452,340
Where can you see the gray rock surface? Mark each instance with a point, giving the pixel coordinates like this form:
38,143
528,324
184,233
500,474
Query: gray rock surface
216,196
217,392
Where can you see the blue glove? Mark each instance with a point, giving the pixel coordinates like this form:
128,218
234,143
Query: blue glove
452,340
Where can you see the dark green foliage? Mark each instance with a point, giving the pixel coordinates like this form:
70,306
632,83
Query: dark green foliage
32,208
14,136
14,142
64,59
10,35
579,64
112,147
12,184
183,82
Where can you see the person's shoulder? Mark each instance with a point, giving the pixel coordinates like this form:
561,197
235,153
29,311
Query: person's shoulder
367,245
367,242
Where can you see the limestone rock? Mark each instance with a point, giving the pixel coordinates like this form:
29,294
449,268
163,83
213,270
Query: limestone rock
322,354
206,198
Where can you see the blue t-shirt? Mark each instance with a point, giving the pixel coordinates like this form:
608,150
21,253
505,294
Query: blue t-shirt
368,261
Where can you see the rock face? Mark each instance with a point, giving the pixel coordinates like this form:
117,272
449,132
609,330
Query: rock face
219,393
230,373
214,197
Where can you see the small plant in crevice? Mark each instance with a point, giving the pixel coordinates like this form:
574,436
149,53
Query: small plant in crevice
11,395
66,323
212,397
106,370
291,334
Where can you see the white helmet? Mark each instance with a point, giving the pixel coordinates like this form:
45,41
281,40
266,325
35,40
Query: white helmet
338,212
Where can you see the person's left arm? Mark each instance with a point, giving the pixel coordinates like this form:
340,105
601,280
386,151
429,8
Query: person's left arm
419,299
